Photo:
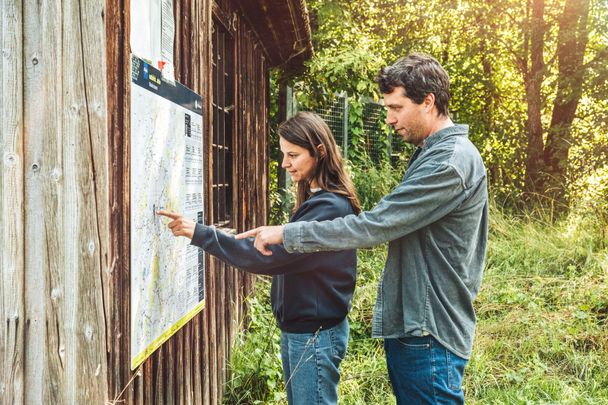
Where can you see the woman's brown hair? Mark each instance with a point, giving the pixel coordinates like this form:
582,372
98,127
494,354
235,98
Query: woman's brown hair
308,131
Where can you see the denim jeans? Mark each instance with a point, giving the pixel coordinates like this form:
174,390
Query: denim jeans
311,364
422,371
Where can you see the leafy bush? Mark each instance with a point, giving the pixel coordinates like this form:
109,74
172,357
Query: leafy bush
373,182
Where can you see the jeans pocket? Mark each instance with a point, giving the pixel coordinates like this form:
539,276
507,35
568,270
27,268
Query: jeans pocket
455,366
414,342
338,338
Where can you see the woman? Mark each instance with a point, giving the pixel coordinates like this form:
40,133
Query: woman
311,293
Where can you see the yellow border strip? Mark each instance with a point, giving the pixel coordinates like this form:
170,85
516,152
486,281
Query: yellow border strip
142,356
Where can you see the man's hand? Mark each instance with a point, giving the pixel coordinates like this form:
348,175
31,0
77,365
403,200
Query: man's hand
179,225
264,237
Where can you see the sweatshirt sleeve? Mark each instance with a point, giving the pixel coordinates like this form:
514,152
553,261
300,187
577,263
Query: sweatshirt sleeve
243,255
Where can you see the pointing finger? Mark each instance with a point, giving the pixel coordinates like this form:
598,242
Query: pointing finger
248,234
168,214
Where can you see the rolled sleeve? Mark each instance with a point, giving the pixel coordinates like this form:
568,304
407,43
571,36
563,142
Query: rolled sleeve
427,195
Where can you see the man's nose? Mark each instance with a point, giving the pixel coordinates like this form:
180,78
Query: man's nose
390,119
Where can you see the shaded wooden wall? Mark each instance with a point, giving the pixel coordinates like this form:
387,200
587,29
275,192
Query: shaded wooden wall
190,367
64,183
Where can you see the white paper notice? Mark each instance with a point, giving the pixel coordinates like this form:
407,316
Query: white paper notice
153,32
167,32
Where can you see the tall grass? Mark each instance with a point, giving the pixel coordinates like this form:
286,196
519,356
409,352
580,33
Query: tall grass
542,334
542,310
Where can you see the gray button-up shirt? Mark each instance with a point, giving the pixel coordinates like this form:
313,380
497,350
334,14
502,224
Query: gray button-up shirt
436,222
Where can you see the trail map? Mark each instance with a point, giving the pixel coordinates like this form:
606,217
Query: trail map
167,274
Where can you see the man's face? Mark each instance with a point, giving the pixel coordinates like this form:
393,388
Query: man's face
407,118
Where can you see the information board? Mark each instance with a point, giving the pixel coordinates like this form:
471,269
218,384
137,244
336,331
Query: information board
166,149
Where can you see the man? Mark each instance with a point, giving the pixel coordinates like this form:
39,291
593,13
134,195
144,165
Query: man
436,222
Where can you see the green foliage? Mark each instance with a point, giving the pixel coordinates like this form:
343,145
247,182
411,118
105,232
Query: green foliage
484,46
373,182
364,378
255,373
279,199
346,60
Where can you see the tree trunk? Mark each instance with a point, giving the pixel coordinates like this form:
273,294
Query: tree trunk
572,41
533,80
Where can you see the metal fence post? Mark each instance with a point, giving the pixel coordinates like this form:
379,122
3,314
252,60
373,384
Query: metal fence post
291,110
345,127
291,107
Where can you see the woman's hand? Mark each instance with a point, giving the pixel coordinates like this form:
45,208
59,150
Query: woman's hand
179,225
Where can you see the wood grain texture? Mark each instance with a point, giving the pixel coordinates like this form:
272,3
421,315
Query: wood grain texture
44,189
65,294
117,313
85,203
12,266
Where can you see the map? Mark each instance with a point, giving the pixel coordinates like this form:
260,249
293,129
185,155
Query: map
167,274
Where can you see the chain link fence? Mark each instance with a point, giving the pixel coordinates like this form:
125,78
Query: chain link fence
335,115
377,140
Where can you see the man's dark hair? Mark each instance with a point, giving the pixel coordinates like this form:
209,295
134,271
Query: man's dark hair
420,75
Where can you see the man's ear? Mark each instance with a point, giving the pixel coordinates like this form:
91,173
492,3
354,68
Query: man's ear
429,102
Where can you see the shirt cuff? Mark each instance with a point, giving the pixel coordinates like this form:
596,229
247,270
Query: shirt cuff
291,237
202,234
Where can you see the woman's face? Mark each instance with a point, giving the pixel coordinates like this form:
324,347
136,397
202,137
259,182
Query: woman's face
297,161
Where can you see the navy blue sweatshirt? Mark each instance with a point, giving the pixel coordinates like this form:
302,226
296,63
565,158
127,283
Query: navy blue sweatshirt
309,290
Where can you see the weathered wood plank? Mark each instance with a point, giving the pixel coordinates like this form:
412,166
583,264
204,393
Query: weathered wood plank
206,80
211,325
84,136
12,306
44,190
198,369
158,383
148,397
119,80
169,381
78,290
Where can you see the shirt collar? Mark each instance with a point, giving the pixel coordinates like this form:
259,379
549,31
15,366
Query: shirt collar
453,130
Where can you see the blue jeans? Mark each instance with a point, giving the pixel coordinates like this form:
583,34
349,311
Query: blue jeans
311,364
422,371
